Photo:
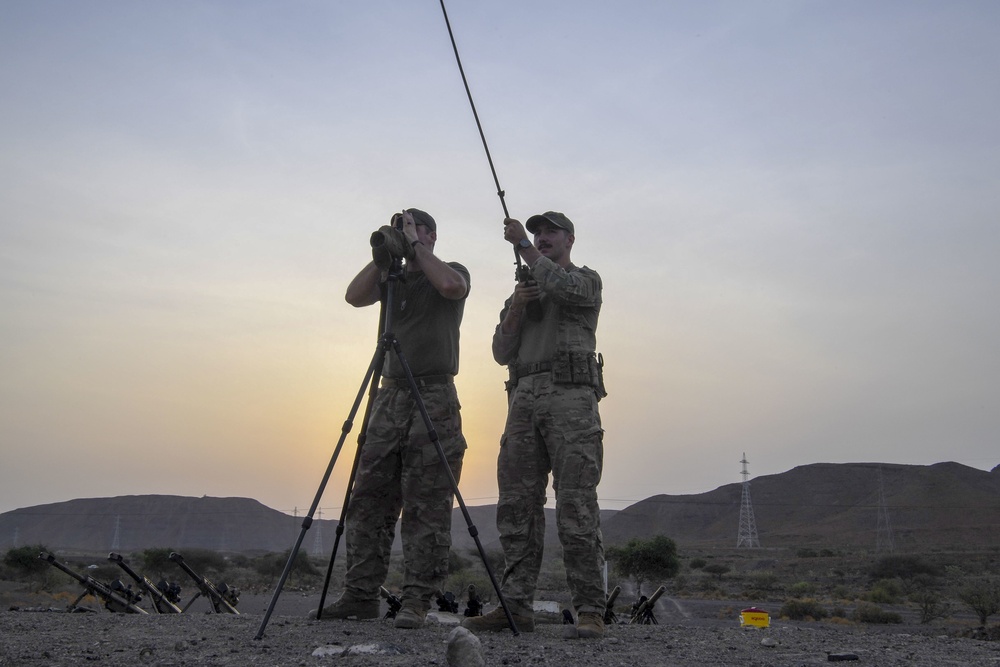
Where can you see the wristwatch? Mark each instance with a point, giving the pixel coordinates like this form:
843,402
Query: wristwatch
522,244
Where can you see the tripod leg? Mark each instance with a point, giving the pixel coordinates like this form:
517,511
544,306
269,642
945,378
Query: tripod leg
362,438
432,433
376,362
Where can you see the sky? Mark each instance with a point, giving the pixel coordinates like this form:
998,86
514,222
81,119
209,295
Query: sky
793,207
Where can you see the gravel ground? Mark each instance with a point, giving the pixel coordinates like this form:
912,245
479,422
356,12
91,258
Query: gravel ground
688,633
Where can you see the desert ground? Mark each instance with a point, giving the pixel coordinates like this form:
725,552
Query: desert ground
688,632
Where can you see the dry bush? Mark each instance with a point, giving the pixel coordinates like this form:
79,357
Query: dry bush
803,610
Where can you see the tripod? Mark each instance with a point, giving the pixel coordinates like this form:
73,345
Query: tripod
387,341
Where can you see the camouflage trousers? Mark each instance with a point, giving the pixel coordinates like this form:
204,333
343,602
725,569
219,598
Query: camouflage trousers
400,470
551,428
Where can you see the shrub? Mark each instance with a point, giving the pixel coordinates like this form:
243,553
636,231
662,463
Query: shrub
697,563
982,597
886,591
801,589
156,562
931,605
716,570
456,562
270,566
842,593
802,610
806,553
25,560
870,613
645,560
762,580
903,567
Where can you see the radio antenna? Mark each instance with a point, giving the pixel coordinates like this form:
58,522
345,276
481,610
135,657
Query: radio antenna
482,135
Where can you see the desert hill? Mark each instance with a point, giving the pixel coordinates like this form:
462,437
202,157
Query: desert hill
822,504
941,505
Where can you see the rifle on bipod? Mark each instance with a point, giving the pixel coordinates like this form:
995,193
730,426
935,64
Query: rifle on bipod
395,604
123,601
609,606
474,606
161,603
223,599
642,612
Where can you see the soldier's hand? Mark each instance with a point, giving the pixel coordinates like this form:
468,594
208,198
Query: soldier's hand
525,292
409,227
513,231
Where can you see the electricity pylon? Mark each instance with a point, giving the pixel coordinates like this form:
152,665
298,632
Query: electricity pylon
748,525
883,538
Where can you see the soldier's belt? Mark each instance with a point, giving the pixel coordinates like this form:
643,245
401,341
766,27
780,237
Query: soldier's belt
580,368
518,371
421,380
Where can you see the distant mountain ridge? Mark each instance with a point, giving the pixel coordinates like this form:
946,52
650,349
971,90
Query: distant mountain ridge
946,504
824,504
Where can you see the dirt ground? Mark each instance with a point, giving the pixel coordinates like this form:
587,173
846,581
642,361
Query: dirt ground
688,632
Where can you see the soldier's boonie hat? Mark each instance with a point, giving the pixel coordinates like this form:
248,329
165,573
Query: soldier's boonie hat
422,218
552,217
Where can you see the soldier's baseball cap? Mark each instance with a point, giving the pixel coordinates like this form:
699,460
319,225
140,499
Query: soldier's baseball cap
552,217
422,218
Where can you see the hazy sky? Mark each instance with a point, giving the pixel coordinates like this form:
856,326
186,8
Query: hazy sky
793,205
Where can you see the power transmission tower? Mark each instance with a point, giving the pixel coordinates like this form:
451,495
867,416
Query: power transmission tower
318,543
748,525
883,538
116,542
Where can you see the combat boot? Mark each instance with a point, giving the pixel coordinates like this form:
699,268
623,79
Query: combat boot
496,621
590,625
410,617
349,608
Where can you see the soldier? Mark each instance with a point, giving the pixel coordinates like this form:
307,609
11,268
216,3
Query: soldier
400,468
553,425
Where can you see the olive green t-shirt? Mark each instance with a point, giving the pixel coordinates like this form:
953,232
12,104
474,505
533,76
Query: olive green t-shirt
426,325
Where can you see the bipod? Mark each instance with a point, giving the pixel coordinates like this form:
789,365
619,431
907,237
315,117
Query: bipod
160,602
642,612
609,606
387,341
391,599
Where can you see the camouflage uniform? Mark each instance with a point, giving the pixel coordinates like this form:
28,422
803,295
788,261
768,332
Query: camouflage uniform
400,469
552,425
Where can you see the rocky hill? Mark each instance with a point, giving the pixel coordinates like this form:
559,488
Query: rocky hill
816,505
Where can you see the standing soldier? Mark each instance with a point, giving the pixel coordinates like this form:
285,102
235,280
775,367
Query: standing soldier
552,425
400,468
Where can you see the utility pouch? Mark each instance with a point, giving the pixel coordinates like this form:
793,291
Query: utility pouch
562,368
580,368
597,371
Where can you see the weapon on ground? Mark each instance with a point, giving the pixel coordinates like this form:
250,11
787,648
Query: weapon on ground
394,602
114,602
447,602
161,600
474,606
223,598
642,612
609,606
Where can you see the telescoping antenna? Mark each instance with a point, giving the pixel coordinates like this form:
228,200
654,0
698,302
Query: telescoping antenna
482,135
